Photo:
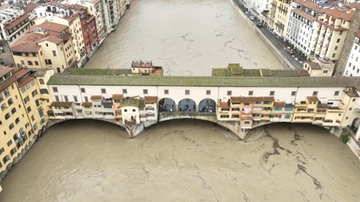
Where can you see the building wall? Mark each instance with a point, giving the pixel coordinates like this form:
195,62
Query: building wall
352,67
348,44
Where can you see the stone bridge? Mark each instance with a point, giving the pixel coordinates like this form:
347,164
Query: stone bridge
136,129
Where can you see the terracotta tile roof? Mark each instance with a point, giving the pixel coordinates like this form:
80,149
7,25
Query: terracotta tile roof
250,99
117,96
96,97
151,99
86,104
303,14
17,21
50,27
223,104
4,70
13,78
279,104
331,27
312,99
30,7
246,118
52,39
235,99
23,81
61,104
337,13
27,43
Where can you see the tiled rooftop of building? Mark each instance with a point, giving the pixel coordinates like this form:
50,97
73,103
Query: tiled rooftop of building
29,42
113,80
240,72
341,13
16,22
61,104
30,7
4,70
13,78
25,80
150,99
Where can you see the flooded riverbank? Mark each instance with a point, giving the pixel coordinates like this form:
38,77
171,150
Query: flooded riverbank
185,37
184,160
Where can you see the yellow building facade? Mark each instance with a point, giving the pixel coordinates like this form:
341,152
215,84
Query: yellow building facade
22,113
48,45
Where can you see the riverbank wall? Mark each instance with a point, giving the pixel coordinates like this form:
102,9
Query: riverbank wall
267,42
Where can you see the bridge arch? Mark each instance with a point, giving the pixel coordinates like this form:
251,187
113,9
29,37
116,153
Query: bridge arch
187,105
207,105
166,104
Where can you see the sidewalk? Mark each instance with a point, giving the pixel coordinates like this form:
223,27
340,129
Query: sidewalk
275,40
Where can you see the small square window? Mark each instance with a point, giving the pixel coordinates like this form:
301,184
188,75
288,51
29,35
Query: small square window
272,93
133,110
145,91
336,93
229,92
251,92
315,93
83,90
103,91
293,93
66,98
166,92
55,90
208,92
86,99
124,91
125,110
187,92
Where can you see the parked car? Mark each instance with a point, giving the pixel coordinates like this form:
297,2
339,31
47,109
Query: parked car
252,17
259,25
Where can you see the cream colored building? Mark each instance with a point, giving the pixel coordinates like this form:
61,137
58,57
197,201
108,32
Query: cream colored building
23,116
95,8
319,29
279,15
48,45
64,15
319,67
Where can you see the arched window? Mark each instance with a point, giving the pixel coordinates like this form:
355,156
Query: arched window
11,126
10,102
16,137
13,110
41,81
3,107
6,159
7,116
22,132
17,120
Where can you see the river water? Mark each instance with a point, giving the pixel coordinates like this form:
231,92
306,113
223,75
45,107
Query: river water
184,160
186,37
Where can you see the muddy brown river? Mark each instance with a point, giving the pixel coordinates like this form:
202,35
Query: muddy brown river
184,160
186,37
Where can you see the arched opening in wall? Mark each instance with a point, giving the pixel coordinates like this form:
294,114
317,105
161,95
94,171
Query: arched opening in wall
355,125
167,105
6,159
207,106
187,105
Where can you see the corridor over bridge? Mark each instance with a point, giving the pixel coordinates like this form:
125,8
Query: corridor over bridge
247,100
